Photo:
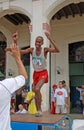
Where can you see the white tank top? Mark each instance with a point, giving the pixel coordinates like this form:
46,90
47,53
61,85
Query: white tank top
39,62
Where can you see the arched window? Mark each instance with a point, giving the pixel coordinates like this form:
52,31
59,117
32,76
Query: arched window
80,54
2,56
76,52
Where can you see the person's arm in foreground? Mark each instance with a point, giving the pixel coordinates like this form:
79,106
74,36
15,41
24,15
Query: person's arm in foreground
15,39
14,51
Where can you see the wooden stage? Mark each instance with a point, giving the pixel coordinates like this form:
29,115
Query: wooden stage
26,121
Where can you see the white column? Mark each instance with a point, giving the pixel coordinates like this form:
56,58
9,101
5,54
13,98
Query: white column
37,27
37,19
46,87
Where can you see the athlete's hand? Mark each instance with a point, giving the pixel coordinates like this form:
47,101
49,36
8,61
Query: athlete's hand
47,35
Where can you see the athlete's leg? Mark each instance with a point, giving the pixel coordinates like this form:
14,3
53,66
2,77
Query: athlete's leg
38,96
39,79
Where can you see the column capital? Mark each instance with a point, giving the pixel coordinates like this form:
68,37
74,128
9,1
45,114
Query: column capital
30,27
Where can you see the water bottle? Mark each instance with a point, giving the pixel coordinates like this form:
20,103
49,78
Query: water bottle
63,123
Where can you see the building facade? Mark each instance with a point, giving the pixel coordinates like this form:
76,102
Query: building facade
40,14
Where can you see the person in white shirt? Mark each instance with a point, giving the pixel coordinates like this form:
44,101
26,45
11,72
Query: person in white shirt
68,92
61,99
8,86
81,91
21,110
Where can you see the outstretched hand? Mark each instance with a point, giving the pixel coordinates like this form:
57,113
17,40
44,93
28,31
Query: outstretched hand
54,48
14,51
15,38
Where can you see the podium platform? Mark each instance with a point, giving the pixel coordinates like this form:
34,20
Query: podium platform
30,122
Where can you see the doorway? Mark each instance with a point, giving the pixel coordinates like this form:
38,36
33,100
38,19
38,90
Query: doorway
76,74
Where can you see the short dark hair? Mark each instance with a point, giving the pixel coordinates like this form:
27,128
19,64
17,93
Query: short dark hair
39,37
63,81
